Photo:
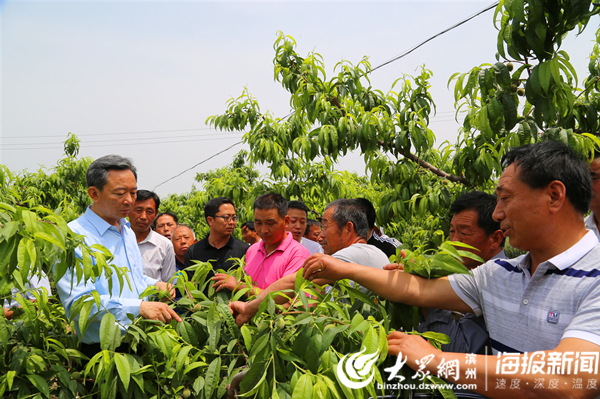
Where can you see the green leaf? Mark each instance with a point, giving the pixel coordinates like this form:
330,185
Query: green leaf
545,76
329,335
123,368
10,376
303,388
84,315
40,383
9,230
518,9
356,321
213,375
193,366
554,70
213,323
50,238
181,357
6,252
255,376
30,220
313,352
198,385
108,332
23,258
440,337
495,114
4,335
247,337
186,331
502,74
299,280
302,319
510,111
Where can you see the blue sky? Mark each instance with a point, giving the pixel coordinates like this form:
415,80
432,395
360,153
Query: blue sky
100,68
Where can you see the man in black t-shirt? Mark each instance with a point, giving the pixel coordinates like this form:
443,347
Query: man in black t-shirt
387,245
219,246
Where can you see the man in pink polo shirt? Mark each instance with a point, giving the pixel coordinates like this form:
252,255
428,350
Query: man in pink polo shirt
278,254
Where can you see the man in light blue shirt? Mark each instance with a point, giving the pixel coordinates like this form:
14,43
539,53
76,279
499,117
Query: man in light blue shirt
112,186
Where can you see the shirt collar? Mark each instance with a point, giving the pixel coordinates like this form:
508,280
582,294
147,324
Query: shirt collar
149,238
576,252
229,244
282,247
499,255
100,224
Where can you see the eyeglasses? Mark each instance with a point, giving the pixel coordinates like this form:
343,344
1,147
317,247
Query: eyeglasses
227,218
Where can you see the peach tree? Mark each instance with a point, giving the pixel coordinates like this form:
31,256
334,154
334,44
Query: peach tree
529,93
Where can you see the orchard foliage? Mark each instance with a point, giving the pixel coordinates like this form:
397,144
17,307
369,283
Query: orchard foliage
241,182
528,94
63,190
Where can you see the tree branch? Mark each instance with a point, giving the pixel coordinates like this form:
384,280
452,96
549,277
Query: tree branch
426,165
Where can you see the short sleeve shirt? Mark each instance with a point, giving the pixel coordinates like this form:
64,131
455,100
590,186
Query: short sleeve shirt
219,258
265,269
363,254
525,313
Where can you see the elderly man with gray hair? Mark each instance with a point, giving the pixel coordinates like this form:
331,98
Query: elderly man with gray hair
344,236
112,186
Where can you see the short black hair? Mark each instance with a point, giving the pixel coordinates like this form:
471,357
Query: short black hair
541,163
484,204
312,222
174,216
272,201
368,209
97,173
212,206
249,225
347,210
143,195
298,205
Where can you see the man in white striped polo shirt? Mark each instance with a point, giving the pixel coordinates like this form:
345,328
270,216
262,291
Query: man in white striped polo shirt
547,301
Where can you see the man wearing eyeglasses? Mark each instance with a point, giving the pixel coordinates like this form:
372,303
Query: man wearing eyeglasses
219,246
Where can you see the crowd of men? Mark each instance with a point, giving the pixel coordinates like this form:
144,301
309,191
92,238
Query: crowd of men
546,300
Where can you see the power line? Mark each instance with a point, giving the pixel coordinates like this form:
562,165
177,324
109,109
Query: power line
199,163
120,140
106,134
434,36
120,144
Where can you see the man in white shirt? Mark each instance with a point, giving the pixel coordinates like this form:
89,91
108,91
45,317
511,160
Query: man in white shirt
298,213
157,251
591,222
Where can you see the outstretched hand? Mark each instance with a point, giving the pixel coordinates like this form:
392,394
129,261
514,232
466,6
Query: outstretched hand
241,312
158,311
396,266
323,266
414,347
167,288
223,280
